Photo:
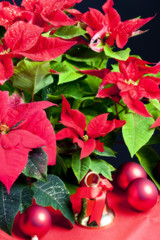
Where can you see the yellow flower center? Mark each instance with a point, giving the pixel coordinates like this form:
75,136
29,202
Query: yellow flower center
3,129
130,81
85,138
5,51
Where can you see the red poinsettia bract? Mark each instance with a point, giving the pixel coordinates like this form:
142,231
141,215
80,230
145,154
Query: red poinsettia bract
109,28
132,84
25,39
75,123
43,13
49,11
23,127
10,14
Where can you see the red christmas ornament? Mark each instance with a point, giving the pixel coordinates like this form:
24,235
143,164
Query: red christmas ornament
127,172
142,194
35,221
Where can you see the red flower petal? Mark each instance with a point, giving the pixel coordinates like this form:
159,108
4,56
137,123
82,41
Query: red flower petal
47,49
156,123
39,125
25,110
113,124
6,69
13,162
121,39
150,88
87,147
134,104
98,73
66,133
22,36
27,139
15,100
96,126
4,100
57,18
111,92
126,29
132,25
25,39
99,146
72,118
11,13
107,6
9,141
94,18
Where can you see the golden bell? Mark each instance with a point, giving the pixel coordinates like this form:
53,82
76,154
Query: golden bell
82,218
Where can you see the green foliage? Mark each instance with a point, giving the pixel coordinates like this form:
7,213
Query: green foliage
32,76
37,165
120,55
80,166
53,193
136,132
18,199
69,32
149,159
102,167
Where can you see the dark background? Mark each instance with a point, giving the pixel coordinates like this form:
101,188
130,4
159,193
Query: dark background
146,45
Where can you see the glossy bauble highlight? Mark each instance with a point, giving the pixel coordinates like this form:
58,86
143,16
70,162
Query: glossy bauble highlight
142,194
127,172
35,221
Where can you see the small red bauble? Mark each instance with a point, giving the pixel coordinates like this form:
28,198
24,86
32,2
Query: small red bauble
35,221
142,194
127,172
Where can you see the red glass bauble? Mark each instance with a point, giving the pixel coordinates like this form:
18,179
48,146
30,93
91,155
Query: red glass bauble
35,221
142,194
127,172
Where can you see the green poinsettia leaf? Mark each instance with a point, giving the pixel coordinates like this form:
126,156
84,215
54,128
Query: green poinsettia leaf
84,54
120,55
80,166
71,187
53,193
32,76
108,152
69,76
149,159
102,167
26,199
136,132
9,206
69,32
68,90
62,67
7,86
37,165
155,139
154,108
93,83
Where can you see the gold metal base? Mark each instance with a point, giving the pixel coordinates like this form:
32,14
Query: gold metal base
106,220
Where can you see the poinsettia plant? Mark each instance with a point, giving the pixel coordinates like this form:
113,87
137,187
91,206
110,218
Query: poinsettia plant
68,88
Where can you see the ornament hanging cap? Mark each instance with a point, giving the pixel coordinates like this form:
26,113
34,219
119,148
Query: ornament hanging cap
92,179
